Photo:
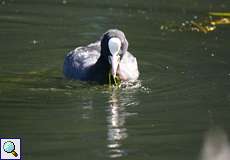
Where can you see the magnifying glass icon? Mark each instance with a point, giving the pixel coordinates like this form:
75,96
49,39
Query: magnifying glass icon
9,147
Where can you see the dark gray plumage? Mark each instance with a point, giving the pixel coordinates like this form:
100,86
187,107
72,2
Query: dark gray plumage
94,62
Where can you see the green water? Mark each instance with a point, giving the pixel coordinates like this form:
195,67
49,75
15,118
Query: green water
184,86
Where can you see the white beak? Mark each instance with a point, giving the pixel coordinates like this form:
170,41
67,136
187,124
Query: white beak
114,61
114,45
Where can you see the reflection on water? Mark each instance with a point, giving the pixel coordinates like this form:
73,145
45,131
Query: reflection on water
87,107
216,146
117,114
117,131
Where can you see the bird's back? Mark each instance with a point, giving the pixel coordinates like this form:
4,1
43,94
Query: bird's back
77,62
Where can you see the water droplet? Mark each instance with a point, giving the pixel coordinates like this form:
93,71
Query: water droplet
212,54
64,1
35,42
162,27
147,18
3,2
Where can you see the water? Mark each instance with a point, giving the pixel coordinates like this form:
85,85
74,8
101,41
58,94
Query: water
183,89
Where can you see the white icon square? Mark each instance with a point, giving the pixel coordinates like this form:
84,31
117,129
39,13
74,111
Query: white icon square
10,148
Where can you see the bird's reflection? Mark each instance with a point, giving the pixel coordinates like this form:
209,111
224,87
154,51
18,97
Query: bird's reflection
117,131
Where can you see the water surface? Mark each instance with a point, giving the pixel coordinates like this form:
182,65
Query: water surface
183,89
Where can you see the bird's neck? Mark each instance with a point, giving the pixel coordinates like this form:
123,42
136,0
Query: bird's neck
101,70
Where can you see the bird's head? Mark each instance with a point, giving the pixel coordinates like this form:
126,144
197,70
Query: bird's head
113,46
